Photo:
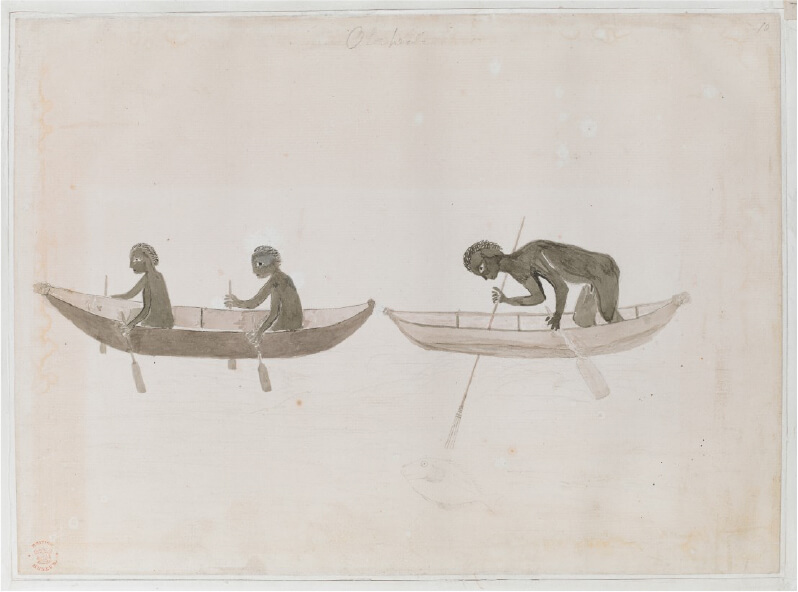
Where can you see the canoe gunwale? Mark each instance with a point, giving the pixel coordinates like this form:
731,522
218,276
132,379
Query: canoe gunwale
394,316
211,343
52,292
539,343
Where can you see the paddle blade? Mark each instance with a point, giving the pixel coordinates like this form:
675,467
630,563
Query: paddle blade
263,374
593,378
231,364
138,378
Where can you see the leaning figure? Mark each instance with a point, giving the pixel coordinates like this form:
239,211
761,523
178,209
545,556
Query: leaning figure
157,309
285,312
558,264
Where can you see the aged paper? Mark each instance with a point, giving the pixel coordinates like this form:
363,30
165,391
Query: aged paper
371,150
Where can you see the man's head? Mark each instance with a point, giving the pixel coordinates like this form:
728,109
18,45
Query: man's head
265,261
142,258
483,258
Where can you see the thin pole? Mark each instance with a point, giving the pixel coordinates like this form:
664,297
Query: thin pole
459,415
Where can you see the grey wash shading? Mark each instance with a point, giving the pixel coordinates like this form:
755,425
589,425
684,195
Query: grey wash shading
138,378
284,331
231,363
450,440
105,293
527,335
443,483
285,312
157,308
286,309
541,335
558,264
206,332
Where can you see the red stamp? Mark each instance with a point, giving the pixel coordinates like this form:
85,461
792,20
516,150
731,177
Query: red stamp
44,555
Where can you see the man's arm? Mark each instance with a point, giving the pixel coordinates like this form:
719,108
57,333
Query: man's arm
553,276
133,291
144,311
274,312
257,299
561,295
536,295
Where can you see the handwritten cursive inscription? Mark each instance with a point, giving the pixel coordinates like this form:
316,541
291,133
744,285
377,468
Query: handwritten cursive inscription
359,37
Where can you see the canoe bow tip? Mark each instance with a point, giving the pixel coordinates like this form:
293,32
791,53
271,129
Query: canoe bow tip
42,288
680,299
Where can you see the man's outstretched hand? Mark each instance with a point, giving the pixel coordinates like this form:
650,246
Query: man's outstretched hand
498,296
232,300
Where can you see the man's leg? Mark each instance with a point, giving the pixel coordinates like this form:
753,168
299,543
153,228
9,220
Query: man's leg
607,292
586,307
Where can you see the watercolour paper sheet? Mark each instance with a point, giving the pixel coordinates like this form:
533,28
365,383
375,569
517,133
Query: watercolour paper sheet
371,149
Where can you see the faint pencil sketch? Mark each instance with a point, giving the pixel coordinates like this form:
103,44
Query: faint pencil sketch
443,483
153,327
541,335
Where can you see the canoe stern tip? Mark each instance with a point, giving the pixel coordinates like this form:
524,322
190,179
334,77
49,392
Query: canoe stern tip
680,299
42,288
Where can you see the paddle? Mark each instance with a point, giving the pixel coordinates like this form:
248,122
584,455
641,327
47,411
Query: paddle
105,293
137,377
263,374
459,415
231,364
590,374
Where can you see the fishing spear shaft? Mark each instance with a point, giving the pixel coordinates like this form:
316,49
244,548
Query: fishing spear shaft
458,416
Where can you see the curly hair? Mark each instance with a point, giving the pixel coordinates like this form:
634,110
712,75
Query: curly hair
148,250
483,244
266,250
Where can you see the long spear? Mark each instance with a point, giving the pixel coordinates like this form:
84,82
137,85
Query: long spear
459,415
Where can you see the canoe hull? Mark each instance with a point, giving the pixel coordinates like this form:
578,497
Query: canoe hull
507,343
183,342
